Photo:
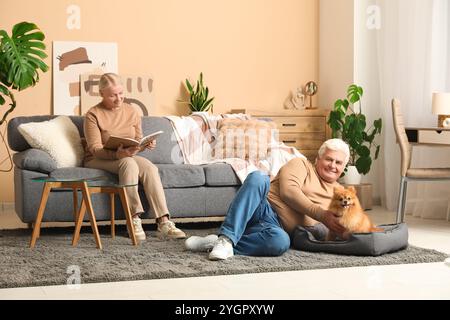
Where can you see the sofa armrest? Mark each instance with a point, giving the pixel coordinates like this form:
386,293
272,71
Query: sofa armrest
34,160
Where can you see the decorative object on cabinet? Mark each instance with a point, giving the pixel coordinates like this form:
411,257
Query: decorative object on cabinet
310,91
296,100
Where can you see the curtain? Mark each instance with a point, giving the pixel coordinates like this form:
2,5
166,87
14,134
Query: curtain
413,47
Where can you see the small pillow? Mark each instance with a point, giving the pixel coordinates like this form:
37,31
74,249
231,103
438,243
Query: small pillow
58,137
34,160
245,139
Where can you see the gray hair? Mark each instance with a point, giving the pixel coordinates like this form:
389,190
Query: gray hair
335,145
109,79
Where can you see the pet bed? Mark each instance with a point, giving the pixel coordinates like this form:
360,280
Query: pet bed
393,238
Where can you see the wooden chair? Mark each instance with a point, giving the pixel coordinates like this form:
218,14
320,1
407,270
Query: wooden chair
408,173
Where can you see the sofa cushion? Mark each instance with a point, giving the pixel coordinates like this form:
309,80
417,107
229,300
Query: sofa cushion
58,137
167,149
18,143
245,139
34,160
181,175
220,174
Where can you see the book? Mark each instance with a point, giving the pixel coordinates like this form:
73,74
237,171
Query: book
114,142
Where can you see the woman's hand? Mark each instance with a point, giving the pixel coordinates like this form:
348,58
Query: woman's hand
150,145
126,152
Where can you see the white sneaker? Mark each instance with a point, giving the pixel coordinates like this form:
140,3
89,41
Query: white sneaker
168,230
201,244
223,249
138,231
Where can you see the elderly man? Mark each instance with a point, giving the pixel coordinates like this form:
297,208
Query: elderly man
264,213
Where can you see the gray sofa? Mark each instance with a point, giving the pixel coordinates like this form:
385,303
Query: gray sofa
191,191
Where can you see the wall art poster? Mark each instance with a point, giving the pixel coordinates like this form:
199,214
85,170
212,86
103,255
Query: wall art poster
70,60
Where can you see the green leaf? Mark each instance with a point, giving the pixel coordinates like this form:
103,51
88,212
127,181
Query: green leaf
378,124
377,152
363,165
198,95
22,55
363,151
354,93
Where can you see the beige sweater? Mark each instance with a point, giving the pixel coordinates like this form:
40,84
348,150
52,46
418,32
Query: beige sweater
101,122
299,195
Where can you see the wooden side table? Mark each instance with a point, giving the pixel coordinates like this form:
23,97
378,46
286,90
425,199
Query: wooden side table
75,185
112,189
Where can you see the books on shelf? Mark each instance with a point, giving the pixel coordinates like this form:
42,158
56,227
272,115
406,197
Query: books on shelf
114,142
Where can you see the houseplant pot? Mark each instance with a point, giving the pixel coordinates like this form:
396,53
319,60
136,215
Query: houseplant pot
199,102
352,176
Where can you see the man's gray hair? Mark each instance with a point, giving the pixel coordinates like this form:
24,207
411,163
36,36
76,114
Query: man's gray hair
335,145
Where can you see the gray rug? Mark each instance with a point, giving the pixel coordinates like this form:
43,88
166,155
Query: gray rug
49,263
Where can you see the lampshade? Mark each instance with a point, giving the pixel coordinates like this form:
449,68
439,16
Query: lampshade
441,107
441,103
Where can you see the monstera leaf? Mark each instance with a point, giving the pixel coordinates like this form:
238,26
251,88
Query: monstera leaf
21,56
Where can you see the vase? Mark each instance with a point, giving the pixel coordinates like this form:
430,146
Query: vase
200,113
352,176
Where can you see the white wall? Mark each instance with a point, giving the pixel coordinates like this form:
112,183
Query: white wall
347,54
366,76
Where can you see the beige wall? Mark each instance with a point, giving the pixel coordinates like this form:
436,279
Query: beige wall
252,52
336,59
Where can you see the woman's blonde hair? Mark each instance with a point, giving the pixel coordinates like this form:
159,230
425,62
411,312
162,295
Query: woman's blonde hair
109,79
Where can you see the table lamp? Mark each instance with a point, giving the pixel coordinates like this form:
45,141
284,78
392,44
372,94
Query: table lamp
441,107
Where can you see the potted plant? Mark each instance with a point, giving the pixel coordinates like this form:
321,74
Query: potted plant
21,57
198,96
349,124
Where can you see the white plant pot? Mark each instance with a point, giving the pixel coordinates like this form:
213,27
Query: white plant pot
352,176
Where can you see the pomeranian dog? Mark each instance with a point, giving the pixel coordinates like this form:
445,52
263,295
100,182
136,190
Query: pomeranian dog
346,205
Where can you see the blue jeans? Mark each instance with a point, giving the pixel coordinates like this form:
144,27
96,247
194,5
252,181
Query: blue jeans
251,223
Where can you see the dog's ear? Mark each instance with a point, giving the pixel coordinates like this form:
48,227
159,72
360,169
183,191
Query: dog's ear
338,189
352,189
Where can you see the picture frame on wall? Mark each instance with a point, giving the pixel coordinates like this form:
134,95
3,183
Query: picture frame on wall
70,60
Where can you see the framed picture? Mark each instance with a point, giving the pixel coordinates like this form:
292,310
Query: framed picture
138,90
70,60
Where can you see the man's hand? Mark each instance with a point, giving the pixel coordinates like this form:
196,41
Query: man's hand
331,221
126,152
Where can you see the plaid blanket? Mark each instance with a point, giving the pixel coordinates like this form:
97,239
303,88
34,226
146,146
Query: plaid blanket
196,135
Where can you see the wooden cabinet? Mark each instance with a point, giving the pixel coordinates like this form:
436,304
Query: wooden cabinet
305,130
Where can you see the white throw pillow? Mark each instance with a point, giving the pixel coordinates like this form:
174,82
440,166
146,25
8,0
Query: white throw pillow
58,137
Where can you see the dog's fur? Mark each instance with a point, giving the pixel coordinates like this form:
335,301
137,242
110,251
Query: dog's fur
345,203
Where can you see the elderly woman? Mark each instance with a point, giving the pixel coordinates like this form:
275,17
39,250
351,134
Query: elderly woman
114,117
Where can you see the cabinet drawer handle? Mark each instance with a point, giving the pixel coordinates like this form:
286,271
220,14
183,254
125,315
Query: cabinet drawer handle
289,124
289,141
